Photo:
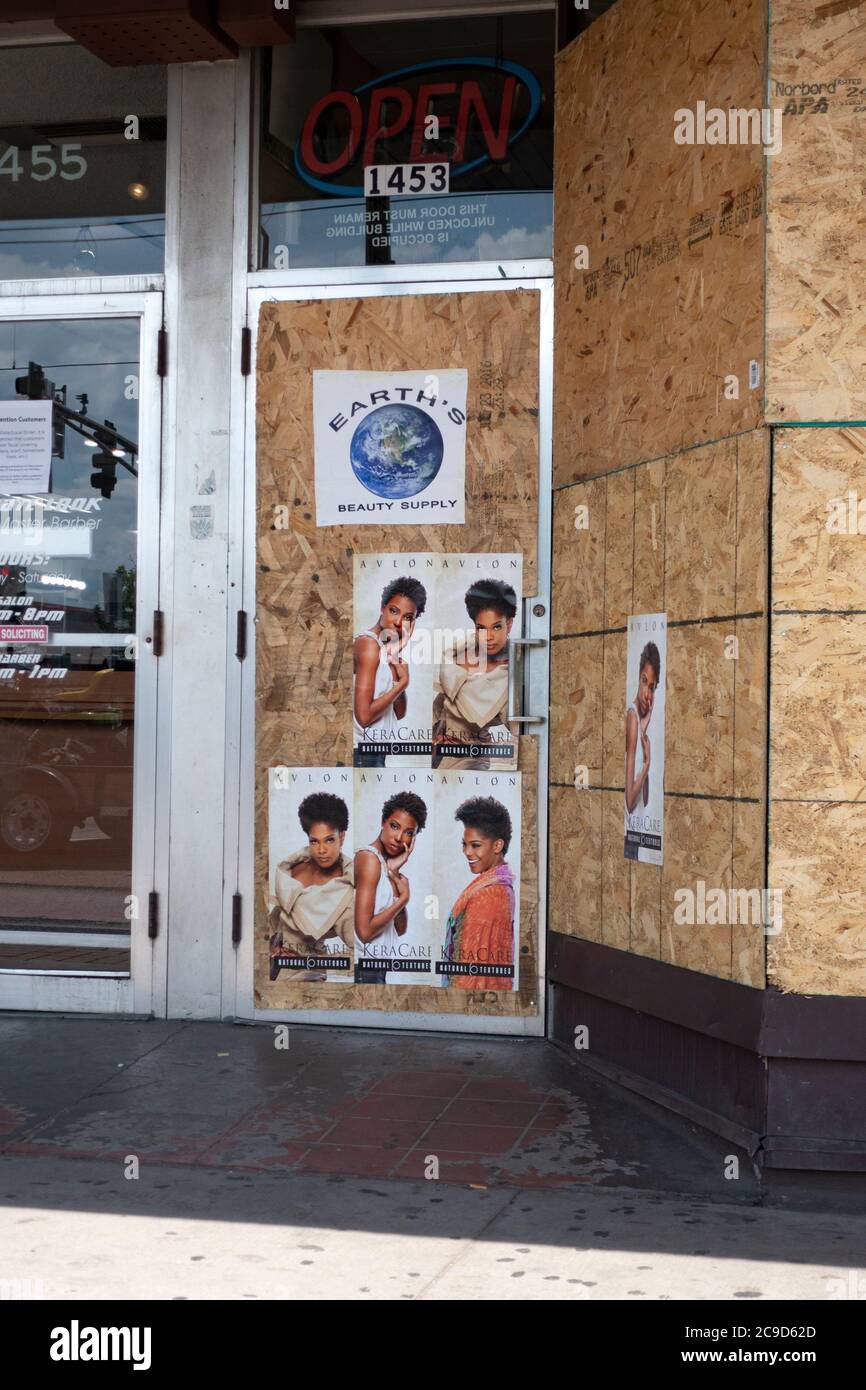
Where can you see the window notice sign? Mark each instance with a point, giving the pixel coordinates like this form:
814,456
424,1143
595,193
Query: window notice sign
25,446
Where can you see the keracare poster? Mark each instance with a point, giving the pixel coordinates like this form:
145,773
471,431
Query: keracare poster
478,609
476,880
311,873
646,665
431,659
394,613
390,447
437,874
396,931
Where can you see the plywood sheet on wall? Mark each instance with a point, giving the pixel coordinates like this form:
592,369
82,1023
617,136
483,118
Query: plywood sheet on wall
818,864
818,549
575,863
818,710
304,573
688,535
816,246
672,302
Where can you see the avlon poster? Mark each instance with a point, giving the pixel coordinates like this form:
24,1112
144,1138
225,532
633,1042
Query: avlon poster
431,659
311,881
403,876
646,663
390,447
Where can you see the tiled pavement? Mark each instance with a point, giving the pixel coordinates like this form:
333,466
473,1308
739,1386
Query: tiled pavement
478,1112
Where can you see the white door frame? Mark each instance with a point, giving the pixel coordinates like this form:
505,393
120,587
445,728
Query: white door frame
278,286
143,991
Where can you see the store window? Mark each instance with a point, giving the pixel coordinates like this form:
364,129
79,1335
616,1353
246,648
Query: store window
417,141
69,467
82,165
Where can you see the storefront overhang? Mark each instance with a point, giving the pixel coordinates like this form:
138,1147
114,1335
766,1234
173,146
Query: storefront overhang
138,32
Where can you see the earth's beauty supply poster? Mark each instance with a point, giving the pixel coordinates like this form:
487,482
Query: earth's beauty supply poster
390,447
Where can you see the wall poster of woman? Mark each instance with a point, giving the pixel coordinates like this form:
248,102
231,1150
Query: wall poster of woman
392,611
477,880
311,874
395,932
477,613
646,664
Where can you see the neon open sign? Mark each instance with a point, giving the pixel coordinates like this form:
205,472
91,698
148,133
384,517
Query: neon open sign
387,110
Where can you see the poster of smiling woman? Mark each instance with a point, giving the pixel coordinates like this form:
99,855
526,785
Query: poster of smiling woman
476,879
390,447
646,664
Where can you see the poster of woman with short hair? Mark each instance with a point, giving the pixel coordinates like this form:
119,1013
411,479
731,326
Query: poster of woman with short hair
392,674
478,612
477,879
431,650
311,873
645,737
394,924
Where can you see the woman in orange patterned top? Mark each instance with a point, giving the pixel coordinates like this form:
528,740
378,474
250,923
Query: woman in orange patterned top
480,930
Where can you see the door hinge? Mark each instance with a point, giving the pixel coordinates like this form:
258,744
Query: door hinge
162,353
246,351
152,914
236,919
158,629
241,643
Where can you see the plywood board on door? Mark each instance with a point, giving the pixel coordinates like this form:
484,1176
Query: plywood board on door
304,572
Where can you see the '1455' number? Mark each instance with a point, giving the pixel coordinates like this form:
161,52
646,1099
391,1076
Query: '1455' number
43,164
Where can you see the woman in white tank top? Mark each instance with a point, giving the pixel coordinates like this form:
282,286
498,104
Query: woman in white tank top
638,752
381,676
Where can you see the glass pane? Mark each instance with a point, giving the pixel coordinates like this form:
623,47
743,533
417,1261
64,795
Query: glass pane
82,165
338,100
68,563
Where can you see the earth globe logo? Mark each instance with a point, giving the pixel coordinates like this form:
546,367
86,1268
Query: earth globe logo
396,451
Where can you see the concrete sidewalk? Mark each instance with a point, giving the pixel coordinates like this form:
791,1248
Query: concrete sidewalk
177,1160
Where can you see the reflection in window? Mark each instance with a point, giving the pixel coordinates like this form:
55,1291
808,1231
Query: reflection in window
68,567
73,565
82,165
340,99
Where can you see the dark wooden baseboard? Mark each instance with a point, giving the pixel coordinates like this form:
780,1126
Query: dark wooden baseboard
783,1075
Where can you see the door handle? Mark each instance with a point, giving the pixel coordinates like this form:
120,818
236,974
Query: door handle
516,651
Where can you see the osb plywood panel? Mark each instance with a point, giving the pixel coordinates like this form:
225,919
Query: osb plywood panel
578,600
304,591
615,874
672,301
699,700
748,942
698,847
818,707
818,860
688,535
701,532
575,862
576,708
613,710
750,708
294,994
619,548
819,482
646,909
753,520
816,290
648,580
